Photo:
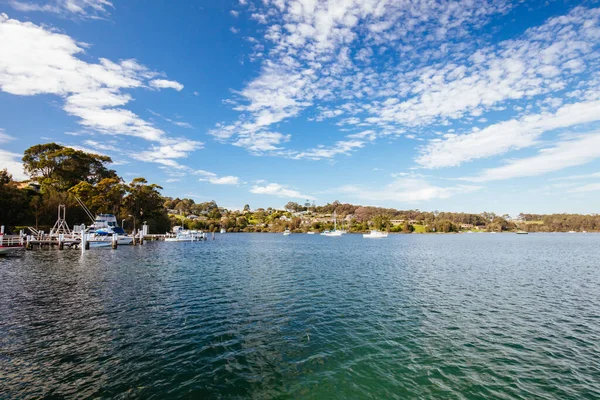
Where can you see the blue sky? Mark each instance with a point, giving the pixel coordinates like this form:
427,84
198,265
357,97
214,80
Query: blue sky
489,105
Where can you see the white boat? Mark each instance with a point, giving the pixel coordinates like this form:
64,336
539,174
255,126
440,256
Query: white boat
310,233
100,243
9,245
186,235
287,232
223,230
104,226
374,234
334,232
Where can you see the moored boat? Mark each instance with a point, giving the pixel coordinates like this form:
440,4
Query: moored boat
335,231
375,234
9,245
287,232
186,235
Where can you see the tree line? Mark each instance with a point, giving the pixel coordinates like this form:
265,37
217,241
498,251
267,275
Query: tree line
59,174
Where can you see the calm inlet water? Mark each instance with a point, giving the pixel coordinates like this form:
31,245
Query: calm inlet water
267,316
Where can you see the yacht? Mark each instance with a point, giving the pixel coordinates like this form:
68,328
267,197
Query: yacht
310,233
186,235
287,232
223,230
335,231
374,234
104,226
332,233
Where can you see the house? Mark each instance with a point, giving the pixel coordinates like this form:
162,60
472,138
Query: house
29,185
284,218
466,226
397,221
192,216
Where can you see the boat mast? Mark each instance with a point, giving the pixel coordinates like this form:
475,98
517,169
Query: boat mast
334,221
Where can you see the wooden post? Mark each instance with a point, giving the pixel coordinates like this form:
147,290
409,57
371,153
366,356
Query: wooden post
84,243
61,242
115,240
28,246
134,237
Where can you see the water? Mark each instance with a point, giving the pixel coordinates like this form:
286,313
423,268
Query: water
266,316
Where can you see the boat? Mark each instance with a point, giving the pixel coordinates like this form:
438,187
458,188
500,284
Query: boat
572,232
522,232
96,242
104,227
223,230
287,232
334,232
310,233
186,235
375,234
10,245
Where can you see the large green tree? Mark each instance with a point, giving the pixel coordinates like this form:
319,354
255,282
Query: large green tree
14,202
63,167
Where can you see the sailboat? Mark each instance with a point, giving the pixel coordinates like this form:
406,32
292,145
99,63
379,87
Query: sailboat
334,232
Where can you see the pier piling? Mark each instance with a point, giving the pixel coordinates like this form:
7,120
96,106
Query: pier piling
84,243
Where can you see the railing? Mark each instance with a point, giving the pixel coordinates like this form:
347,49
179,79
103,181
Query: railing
11,241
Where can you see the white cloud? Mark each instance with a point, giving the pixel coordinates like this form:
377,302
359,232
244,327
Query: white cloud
410,189
80,8
39,60
225,180
317,153
501,137
4,138
569,153
213,178
172,149
12,162
435,73
275,189
577,177
166,84
590,187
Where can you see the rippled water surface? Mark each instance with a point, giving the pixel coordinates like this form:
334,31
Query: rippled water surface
264,316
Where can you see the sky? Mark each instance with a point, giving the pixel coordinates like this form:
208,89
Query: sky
449,105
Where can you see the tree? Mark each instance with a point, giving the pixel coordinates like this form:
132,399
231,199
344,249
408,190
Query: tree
63,167
13,201
145,203
292,206
36,208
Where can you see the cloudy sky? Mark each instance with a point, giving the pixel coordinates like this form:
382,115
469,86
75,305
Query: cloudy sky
457,105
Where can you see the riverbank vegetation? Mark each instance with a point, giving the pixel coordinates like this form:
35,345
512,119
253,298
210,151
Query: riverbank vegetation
59,174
